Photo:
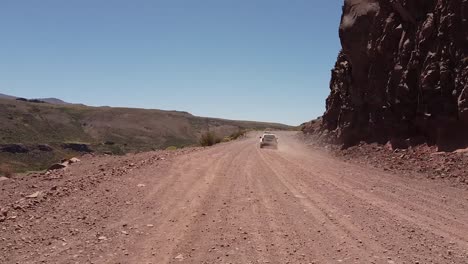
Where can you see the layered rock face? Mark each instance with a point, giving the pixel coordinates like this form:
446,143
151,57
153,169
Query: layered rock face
402,73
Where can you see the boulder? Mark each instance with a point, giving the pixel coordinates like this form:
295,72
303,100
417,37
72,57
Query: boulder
3,178
34,195
57,166
4,211
73,160
3,214
397,143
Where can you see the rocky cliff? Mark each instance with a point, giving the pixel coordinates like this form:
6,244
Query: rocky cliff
402,74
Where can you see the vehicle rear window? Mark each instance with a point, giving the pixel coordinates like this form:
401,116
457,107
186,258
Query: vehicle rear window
269,136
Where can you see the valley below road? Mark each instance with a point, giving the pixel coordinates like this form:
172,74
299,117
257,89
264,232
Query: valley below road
231,203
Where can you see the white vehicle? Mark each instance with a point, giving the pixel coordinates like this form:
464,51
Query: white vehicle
268,140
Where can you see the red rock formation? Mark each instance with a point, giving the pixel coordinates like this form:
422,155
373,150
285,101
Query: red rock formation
402,73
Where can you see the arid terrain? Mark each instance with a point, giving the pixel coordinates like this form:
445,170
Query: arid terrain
380,177
35,135
231,203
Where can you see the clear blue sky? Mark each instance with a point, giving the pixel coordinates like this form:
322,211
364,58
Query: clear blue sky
266,60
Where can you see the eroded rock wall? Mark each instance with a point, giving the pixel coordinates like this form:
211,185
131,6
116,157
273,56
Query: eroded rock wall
402,73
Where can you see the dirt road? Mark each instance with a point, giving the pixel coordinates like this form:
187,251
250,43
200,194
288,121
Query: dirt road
235,203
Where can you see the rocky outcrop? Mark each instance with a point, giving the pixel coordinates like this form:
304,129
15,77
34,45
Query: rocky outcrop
57,166
77,147
14,148
44,147
63,164
23,148
402,73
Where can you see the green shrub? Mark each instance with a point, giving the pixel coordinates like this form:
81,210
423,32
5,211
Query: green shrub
227,139
171,148
209,139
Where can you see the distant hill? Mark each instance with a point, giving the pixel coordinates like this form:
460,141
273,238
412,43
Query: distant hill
5,96
53,101
41,126
46,100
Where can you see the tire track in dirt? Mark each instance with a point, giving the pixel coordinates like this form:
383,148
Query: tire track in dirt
206,241
432,203
354,243
236,203
182,204
378,178
335,185
392,206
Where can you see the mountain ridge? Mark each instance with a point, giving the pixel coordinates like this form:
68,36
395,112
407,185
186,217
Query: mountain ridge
50,100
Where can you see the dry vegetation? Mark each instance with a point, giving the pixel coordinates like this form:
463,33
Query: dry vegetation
210,138
6,170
